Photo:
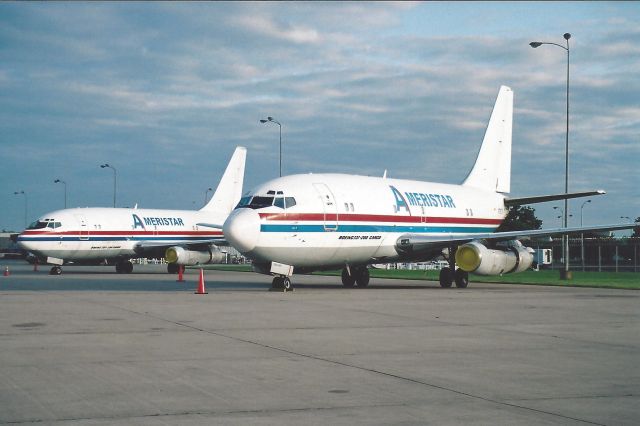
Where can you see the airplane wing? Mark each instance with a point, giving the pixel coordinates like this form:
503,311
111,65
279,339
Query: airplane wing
545,198
410,243
156,246
210,225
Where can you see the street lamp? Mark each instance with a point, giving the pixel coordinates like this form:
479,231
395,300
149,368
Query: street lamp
115,178
65,190
26,205
582,235
206,195
272,120
565,237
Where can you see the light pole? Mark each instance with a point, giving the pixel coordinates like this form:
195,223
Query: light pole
115,179
582,235
565,238
26,205
206,195
65,190
272,120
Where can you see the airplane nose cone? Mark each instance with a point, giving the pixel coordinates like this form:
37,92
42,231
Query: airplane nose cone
242,229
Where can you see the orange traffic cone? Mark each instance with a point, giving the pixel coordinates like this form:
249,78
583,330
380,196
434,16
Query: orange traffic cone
6,271
180,272
201,289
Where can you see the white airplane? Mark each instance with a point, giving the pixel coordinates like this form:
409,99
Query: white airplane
114,235
302,223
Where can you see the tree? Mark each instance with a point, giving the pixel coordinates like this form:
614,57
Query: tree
636,230
520,218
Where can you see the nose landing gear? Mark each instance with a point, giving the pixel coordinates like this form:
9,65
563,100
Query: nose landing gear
281,284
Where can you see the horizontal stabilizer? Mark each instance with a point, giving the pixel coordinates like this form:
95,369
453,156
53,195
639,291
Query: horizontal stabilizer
544,198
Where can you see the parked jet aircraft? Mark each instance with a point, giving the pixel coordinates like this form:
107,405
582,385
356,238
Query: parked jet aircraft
302,223
115,235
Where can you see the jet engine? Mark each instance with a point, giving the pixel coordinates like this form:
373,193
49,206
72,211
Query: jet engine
479,259
181,256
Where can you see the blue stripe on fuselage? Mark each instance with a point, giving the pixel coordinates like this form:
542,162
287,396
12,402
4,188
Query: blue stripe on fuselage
374,228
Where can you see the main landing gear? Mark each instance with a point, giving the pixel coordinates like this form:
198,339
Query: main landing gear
447,276
124,267
280,283
358,275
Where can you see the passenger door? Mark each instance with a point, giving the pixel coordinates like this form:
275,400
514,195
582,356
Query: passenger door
84,228
329,206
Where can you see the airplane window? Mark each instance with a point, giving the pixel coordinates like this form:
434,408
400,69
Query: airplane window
290,202
260,202
279,202
38,225
271,192
51,225
279,192
346,207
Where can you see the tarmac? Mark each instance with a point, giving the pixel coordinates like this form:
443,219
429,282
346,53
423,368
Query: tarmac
92,347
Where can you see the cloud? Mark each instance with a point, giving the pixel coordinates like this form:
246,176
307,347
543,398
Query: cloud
166,90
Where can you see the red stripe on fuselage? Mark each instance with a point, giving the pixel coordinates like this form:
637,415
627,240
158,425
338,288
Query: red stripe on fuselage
153,233
347,217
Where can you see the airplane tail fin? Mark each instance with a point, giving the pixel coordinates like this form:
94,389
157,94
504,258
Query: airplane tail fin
492,170
229,189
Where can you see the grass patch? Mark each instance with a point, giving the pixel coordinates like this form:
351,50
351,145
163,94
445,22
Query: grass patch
621,280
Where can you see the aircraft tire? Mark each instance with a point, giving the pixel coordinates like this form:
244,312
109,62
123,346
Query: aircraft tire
461,278
286,284
347,280
172,268
127,267
362,277
446,277
277,284
55,270
118,267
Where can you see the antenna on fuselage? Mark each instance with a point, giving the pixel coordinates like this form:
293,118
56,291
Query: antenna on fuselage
384,175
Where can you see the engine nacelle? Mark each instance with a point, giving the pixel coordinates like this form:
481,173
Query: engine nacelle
182,256
477,258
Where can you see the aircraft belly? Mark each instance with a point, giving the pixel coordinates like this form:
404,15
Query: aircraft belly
318,249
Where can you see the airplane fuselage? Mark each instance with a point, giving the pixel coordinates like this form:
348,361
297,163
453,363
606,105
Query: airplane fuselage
342,220
91,235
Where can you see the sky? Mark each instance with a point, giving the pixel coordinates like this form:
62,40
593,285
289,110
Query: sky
165,91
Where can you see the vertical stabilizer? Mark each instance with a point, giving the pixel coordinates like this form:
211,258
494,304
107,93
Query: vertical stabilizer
229,189
492,170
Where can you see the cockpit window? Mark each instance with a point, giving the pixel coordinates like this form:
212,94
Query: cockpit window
244,201
279,202
259,202
46,223
38,225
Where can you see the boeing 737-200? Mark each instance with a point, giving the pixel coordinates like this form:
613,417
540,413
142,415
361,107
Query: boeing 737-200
115,235
302,223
